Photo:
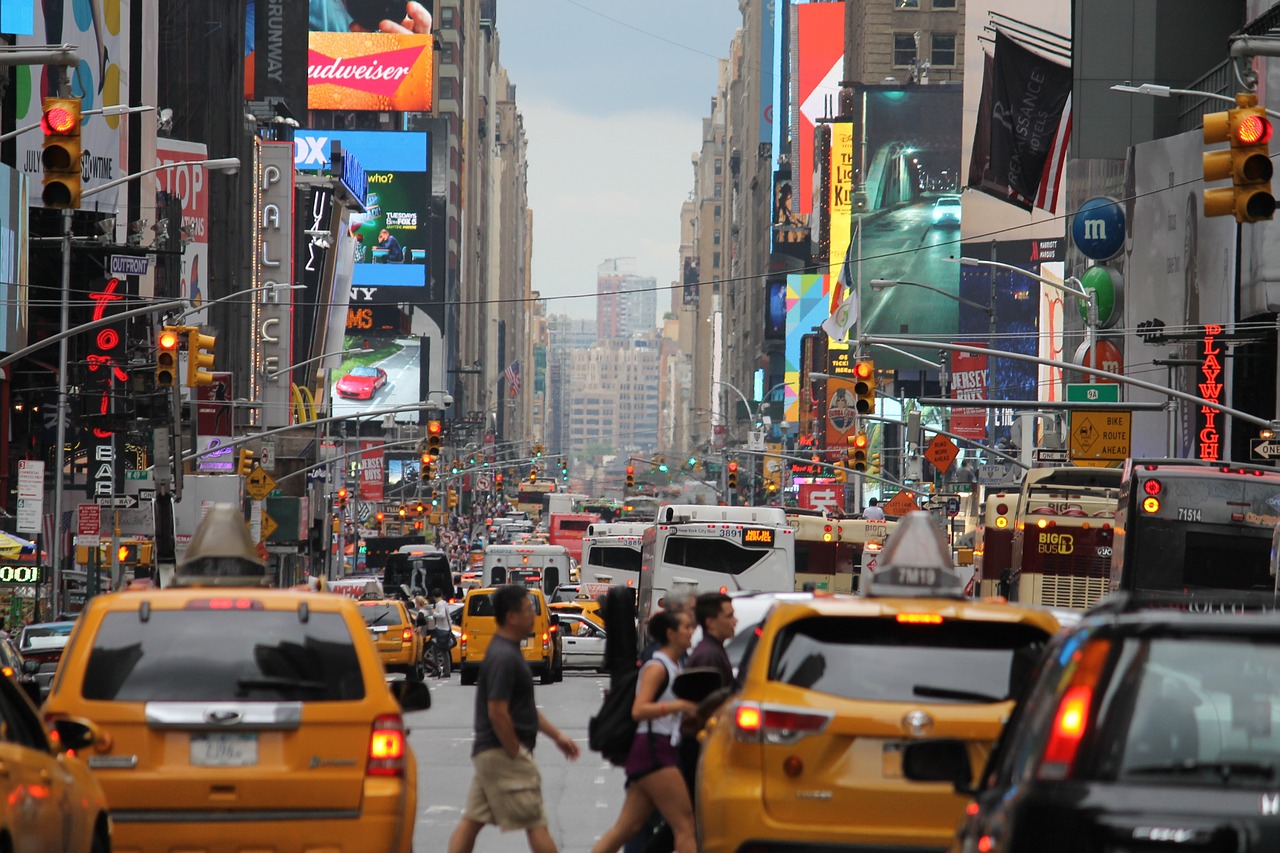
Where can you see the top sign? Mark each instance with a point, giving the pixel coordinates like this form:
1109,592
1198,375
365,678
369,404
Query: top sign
1100,436
1098,228
901,504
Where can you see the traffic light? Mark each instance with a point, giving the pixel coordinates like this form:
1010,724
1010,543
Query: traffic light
537,451
435,429
453,498
420,508
733,475
839,474
692,462
127,555
873,466
1247,163
662,465
199,358
564,473
340,500
403,511
435,497
245,466
864,385
378,518
860,445
533,474
631,476
167,357
60,154
497,481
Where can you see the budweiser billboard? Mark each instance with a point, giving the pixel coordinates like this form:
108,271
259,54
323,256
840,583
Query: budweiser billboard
969,382
369,71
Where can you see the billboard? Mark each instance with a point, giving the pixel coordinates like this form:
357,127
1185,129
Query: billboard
372,462
100,33
14,240
912,232
190,184
391,235
358,59
819,70
808,304
19,18
273,254
214,426
969,382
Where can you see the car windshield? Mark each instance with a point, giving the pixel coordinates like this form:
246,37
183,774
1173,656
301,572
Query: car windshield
888,661
380,614
223,656
1194,711
45,636
364,371
948,202
564,593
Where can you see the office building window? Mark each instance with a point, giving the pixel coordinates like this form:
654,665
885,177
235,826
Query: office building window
944,4
715,259
446,16
446,88
904,48
906,4
944,50
719,166
719,190
717,213
715,238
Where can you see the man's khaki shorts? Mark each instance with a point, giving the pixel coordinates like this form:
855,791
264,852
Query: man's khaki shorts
505,791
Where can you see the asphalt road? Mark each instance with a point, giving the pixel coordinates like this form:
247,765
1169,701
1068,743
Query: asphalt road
402,388
582,799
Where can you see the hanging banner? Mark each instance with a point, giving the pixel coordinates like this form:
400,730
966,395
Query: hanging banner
969,382
372,470
1029,94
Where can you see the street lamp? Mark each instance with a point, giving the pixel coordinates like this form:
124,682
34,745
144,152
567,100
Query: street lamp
273,374
113,110
230,165
1158,91
1071,286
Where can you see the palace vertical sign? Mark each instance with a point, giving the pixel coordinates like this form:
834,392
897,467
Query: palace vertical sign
1209,436
273,265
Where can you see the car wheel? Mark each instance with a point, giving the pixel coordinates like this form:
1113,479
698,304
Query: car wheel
101,837
548,675
559,668
469,677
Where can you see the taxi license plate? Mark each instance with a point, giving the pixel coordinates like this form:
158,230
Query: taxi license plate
378,629
224,750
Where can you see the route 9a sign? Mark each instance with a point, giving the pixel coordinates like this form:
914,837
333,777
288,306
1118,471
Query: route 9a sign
10,575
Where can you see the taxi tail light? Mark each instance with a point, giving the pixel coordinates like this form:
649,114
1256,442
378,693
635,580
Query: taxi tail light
777,725
546,640
406,635
919,619
387,746
1071,722
462,643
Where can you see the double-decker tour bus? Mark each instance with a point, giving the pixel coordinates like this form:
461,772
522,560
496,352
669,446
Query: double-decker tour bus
832,553
1192,527
693,548
1062,538
532,497
611,553
993,543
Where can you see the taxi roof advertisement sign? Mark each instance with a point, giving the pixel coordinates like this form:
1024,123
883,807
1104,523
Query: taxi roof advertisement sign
353,66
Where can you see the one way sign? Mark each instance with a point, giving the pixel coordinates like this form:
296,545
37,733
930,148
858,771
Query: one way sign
1264,449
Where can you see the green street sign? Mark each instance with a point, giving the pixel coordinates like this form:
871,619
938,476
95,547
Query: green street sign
1102,392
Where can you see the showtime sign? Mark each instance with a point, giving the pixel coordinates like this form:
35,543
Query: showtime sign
369,71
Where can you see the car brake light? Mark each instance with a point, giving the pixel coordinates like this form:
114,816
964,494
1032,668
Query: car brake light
406,635
546,640
748,719
386,746
1152,487
919,618
224,604
778,725
8,672
1071,721
462,642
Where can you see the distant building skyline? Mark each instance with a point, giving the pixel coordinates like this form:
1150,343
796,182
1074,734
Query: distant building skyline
626,303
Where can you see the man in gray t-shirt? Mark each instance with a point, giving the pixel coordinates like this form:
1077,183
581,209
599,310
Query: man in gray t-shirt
506,788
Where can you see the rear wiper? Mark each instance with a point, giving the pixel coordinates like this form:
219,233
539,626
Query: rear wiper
1226,769
931,692
276,683
383,615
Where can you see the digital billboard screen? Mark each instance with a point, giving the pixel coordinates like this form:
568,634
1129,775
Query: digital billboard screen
391,236
369,55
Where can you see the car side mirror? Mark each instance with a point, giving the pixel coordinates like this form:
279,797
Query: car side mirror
412,695
939,761
31,667
75,733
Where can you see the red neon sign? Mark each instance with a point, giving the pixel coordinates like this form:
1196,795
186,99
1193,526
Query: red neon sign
1210,439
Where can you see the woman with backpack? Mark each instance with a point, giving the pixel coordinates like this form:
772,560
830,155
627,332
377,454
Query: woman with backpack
653,775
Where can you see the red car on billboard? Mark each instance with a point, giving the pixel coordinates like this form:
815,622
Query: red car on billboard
362,383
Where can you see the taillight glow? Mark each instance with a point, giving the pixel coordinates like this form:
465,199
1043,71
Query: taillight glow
1002,523
1042,523
224,604
1071,721
1150,505
919,619
748,718
406,635
387,746
1152,487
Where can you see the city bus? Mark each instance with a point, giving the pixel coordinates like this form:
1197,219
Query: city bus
993,543
532,497
832,553
568,528
611,553
542,567
1186,526
1063,536
694,548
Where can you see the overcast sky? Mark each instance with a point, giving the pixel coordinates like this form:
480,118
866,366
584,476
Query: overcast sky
613,111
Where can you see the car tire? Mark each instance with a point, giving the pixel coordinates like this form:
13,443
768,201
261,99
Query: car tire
548,674
468,677
101,837
559,668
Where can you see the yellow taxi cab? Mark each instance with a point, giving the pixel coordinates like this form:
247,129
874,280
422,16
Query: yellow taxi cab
395,635
809,752
228,716
541,649
585,607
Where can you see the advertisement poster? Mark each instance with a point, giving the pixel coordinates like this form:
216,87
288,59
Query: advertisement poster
13,259
808,304
820,68
969,382
913,163
100,33
372,465
842,416
213,426
352,65
190,183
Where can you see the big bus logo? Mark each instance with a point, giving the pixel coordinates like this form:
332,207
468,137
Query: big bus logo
1057,543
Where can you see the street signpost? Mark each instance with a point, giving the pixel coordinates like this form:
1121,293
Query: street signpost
259,484
953,507
903,502
1102,392
1045,456
89,525
118,501
1264,449
1100,438
30,495
942,452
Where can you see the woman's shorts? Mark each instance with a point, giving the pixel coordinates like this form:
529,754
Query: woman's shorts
649,752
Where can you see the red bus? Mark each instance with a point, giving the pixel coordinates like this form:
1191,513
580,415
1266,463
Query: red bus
1063,538
568,528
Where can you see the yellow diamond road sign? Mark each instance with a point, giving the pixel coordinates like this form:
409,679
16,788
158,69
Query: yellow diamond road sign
269,526
259,484
1100,436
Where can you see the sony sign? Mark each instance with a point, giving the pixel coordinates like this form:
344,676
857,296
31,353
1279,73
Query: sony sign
273,265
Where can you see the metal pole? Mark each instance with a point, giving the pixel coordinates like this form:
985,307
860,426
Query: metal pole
60,454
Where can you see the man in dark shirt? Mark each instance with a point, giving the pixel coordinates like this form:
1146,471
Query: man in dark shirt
506,789
714,612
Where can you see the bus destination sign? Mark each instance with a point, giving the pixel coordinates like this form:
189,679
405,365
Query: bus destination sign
760,537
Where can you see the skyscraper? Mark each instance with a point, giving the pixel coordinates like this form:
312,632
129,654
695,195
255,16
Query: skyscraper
628,303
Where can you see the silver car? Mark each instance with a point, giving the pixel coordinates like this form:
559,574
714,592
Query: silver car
583,642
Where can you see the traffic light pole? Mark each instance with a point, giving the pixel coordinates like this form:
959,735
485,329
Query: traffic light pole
60,455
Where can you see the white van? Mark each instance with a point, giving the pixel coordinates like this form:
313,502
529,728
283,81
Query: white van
542,567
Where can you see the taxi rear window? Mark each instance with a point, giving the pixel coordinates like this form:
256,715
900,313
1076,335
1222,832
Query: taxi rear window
882,660
480,605
381,614
202,656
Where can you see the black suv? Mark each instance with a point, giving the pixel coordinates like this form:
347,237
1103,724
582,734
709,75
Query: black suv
1152,724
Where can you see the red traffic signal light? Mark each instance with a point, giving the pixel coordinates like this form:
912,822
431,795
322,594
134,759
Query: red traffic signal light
434,427
859,440
631,476
1246,163
733,467
167,358
60,155
1253,130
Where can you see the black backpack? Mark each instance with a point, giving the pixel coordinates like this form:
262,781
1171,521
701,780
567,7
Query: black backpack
611,731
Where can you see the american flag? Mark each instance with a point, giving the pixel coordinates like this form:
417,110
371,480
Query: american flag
64,529
512,373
